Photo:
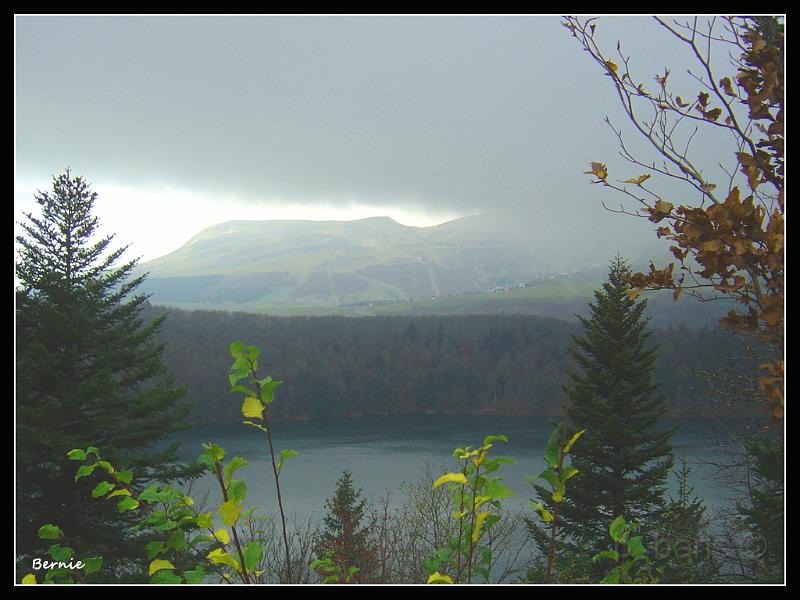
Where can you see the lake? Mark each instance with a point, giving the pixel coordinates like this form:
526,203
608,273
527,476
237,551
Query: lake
384,452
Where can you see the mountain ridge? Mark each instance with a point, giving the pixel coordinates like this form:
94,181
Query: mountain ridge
250,265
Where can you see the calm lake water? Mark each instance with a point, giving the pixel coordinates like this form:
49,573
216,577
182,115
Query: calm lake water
384,452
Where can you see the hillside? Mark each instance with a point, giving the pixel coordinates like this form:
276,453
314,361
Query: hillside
350,267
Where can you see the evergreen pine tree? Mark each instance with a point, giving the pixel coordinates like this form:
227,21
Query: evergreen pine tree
89,372
762,514
624,458
344,533
682,545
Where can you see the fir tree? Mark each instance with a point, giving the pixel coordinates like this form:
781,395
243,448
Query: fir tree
344,533
89,372
682,543
624,458
762,514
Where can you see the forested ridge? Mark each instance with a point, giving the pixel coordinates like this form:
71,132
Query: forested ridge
473,364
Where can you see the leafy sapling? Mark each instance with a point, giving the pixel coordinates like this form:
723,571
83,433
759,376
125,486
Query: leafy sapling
476,501
555,475
254,409
632,565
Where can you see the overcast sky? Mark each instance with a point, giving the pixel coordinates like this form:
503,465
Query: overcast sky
182,122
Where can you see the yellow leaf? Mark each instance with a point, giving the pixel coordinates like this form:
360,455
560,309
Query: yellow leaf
220,557
229,512
476,531
639,180
158,565
222,535
450,477
439,578
29,579
252,408
599,170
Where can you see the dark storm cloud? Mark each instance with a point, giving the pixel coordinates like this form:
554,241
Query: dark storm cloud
453,115
463,113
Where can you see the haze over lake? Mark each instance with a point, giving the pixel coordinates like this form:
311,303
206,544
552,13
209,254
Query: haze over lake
384,452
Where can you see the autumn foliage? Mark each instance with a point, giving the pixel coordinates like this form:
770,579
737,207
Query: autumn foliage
728,244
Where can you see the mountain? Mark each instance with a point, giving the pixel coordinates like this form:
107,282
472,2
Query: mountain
339,263
470,265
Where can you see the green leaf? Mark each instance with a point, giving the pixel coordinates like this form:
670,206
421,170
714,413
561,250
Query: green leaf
237,490
177,541
237,374
92,564
635,547
237,349
50,532
610,554
205,520
59,553
612,577
124,476
489,439
101,489
568,472
617,529
149,494
236,463
167,525
497,491
119,492
127,503
268,386
550,477
572,440
165,576
158,565
552,452
284,455
214,452
458,478
253,554
76,454
85,471
29,579
107,466
195,576
153,549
